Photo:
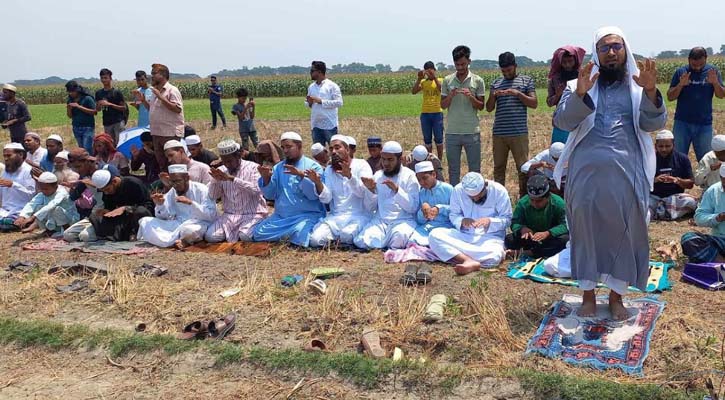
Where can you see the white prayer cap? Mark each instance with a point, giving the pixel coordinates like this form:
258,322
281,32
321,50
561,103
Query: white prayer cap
47,177
316,149
722,171
664,135
472,183
341,138
424,166
718,143
33,135
55,137
351,141
392,148
227,147
63,154
10,87
178,169
291,136
420,153
101,178
172,144
556,149
13,146
192,140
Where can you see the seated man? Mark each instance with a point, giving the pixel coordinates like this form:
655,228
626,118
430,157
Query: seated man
85,196
375,145
182,214
320,154
198,152
538,225
175,154
668,201
352,144
36,152
420,154
54,145
480,212
51,209
702,248
707,172
435,200
62,171
345,192
236,183
297,208
126,200
106,154
544,163
393,192
145,157
17,186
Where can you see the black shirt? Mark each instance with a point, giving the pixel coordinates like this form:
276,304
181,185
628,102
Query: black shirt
206,157
677,165
132,192
111,115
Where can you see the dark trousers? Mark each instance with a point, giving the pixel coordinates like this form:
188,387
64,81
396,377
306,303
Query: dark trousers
159,142
217,109
547,248
119,228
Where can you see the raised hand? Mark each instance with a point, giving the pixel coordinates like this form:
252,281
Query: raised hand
115,213
684,79
183,200
6,183
265,172
392,185
157,198
421,75
541,236
345,169
292,170
369,183
313,176
712,77
647,78
482,223
220,175
468,223
432,213
134,151
585,81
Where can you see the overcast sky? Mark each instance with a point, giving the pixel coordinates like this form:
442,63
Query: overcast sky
77,38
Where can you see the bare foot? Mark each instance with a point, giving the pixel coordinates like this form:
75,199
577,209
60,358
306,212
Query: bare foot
30,228
467,267
180,244
588,308
616,307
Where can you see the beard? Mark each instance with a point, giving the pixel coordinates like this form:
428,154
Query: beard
13,165
291,161
566,76
394,172
611,74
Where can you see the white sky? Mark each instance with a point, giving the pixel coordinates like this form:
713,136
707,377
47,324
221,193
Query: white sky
77,38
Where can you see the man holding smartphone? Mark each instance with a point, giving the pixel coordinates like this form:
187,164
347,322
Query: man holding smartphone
215,102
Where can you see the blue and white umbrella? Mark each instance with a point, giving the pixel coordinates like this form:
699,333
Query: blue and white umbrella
132,137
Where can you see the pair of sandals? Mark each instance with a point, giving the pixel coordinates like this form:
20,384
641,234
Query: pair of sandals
417,274
216,329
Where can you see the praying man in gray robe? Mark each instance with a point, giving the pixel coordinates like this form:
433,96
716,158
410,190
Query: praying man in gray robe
610,109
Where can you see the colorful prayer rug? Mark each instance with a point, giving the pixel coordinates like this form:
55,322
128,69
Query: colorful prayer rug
527,268
597,342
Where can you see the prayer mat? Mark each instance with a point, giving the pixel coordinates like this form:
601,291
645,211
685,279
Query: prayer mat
254,249
528,268
99,246
597,342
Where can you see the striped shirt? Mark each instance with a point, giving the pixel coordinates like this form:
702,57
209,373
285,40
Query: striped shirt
242,195
511,117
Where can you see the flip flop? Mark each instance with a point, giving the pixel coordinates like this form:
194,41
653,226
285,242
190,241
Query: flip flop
150,270
291,280
325,273
220,328
409,275
79,267
371,342
195,330
435,308
22,266
424,275
318,286
75,286
315,345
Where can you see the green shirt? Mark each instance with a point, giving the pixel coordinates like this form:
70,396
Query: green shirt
462,117
551,218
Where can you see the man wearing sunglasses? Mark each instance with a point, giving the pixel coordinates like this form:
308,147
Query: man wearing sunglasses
610,111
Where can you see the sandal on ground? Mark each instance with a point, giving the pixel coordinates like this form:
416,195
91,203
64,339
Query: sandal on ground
195,330
315,345
318,286
371,342
220,328
150,270
435,308
409,275
22,266
424,275
75,286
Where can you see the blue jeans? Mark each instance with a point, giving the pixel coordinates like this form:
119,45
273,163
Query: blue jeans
323,136
84,137
699,135
432,125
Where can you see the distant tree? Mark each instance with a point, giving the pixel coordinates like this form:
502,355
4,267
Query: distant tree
441,66
709,51
722,49
484,64
667,54
381,68
407,68
685,52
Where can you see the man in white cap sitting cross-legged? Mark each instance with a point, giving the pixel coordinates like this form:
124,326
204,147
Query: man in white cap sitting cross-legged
176,154
17,186
480,212
198,152
51,209
182,214
707,172
393,192
236,183
297,208
345,192
435,200
668,200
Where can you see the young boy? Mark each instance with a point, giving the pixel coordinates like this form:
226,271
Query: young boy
51,209
375,147
245,115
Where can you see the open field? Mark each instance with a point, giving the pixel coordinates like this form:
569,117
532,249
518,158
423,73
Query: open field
56,346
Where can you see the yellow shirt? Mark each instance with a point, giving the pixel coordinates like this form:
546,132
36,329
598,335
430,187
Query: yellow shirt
431,96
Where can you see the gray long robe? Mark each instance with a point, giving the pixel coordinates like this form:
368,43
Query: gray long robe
607,190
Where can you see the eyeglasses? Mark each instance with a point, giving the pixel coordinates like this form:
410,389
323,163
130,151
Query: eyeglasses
614,46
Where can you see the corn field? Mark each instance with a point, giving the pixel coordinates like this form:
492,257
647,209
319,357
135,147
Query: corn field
296,85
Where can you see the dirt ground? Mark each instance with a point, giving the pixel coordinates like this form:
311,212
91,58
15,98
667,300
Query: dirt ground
687,339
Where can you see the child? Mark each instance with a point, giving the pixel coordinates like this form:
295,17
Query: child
51,209
61,169
245,115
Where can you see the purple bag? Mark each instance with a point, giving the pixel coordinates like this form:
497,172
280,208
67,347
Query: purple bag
710,276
